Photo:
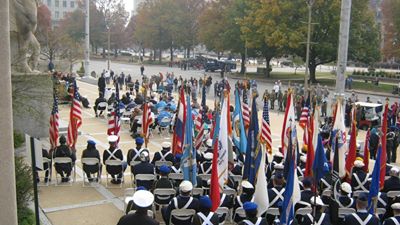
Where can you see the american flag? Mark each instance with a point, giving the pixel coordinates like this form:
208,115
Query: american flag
75,117
199,122
147,120
246,109
53,129
266,136
305,113
114,122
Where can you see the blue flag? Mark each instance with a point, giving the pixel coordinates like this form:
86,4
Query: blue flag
320,165
374,188
239,133
253,153
287,214
188,160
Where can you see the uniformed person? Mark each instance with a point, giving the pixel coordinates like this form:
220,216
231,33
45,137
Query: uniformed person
321,218
305,195
64,169
246,196
164,183
250,209
114,153
165,154
275,194
302,166
183,201
206,166
361,217
142,200
176,168
134,153
144,167
205,216
91,152
359,178
344,200
278,157
393,183
395,219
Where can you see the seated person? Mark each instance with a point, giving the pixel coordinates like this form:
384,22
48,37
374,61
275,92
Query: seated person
205,216
344,200
163,182
250,209
246,196
361,216
91,152
45,154
320,217
114,153
165,154
64,169
97,102
144,167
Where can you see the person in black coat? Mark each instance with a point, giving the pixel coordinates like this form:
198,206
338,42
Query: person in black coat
374,142
134,153
344,200
321,218
395,219
393,183
277,159
96,103
362,214
206,166
359,178
91,152
163,183
64,169
142,200
183,201
101,83
305,195
246,196
250,209
205,216
165,154
114,153
144,167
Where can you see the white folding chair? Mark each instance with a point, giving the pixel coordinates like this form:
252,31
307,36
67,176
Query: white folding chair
223,212
91,162
182,214
114,163
101,107
64,160
393,194
197,191
357,193
229,191
380,211
303,211
240,213
144,177
237,178
161,163
205,177
163,194
326,192
175,176
128,192
46,161
345,211
273,211
132,164
149,213
164,124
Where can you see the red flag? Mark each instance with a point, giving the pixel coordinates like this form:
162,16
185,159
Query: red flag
179,130
310,147
214,185
383,142
53,129
147,120
288,122
351,156
75,118
366,151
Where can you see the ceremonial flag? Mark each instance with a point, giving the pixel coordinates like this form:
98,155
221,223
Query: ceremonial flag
200,120
351,156
147,120
261,191
310,147
53,129
366,151
223,145
320,163
114,124
383,143
375,183
214,185
188,160
288,122
239,133
307,129
253,153
75,118
246,109
339,139
305,113
266,136
179,129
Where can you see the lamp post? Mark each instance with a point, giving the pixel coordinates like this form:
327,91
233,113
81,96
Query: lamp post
306,76
87,39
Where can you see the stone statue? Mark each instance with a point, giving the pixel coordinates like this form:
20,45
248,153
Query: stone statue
25,48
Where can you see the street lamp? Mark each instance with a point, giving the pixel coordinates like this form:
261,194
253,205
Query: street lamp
306,77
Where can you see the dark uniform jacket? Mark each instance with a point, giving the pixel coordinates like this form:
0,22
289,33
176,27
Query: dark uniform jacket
239,201
346,202
359,181
199,218
165,183
275,195
163,155
64,151
116,154
205,167
143,168
320,219
133,155
179,203
363,216
390,221
305,198
91,153
391,184
138,218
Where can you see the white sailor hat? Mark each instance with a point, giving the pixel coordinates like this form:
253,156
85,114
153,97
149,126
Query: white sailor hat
396,206
303,158
112,138
346,187
279,154
246,184
394,170
359,164
279,166
208,156
209,142
316,201
166,144
143,198
186,186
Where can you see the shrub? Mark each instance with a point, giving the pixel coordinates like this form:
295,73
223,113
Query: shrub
19,139
24,188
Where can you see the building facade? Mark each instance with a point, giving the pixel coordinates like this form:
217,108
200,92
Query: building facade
60,8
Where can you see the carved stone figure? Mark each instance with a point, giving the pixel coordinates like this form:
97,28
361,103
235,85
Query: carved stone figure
25,48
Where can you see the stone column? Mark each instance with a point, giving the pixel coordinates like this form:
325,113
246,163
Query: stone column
8,212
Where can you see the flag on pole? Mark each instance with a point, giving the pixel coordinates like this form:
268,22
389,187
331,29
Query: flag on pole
375,183
261,191
309,129
179,130
188,160
305,113
339,138
200,120
266,136
253,153
239,133
306,130
383,143
288,122
223,145
114,123
366,151
351,156
75,117
320,164
246,109
53,129
214,185
147,120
